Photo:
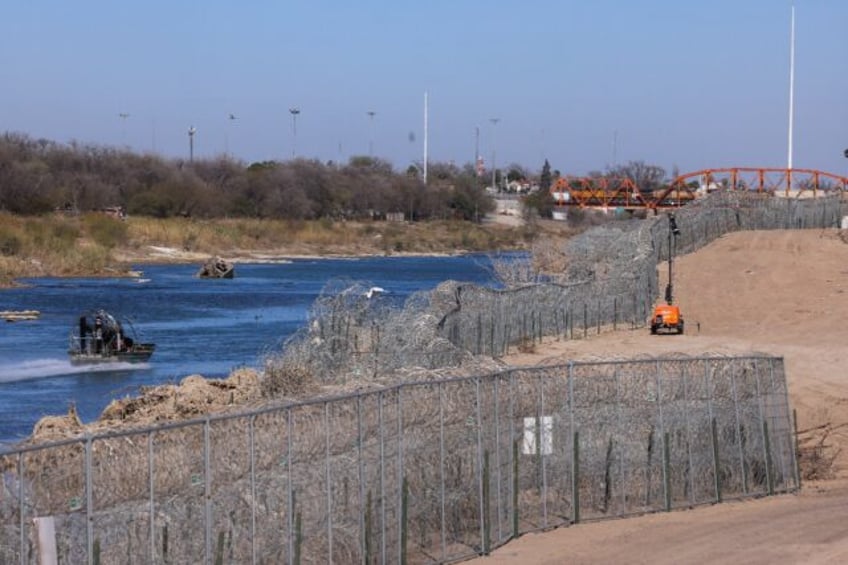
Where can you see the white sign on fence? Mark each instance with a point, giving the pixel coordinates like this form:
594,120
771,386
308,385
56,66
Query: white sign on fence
545,434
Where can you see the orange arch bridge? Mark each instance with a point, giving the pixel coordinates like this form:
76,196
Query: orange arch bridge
611,192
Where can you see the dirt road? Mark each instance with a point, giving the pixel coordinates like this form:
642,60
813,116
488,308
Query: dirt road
783,293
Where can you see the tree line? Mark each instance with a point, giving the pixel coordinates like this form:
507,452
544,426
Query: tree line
39,176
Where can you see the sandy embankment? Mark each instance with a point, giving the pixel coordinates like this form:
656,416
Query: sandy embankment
778,292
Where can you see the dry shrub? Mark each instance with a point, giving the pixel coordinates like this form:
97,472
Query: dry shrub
194,396
285,378
58,427
815,454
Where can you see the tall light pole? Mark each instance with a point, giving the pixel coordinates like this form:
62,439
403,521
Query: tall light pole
476,150
791,85
191,131
230,119
294,112
371,114
123,116
494,169
426,133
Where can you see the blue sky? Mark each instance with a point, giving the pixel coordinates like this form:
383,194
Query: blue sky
691,84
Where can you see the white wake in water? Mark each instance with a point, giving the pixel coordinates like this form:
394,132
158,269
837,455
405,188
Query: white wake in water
40,368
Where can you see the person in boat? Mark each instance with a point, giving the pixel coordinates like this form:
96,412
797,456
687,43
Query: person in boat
84,330
98,334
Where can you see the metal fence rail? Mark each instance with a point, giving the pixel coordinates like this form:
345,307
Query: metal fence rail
420,472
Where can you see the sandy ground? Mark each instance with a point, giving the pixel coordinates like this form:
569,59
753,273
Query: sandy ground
783,293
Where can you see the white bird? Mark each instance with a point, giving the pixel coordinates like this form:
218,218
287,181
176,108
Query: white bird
373,291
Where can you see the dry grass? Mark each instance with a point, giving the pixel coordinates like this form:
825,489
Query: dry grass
96,245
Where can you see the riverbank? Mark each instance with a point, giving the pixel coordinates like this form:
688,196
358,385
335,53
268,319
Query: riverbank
97,245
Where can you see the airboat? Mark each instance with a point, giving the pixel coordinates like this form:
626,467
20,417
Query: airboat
100,337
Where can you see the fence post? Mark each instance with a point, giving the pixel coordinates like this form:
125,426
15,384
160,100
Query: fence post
401,475
329,484
498,454
21,529
515,489
298,530
442,467
575,476
480,487
251,423
89,499
151,490
767,448
362,503
487,526
795,449
664,435
540,438
575,452
404,517
666,471
382,467
368,532
207,487
716,476
290,520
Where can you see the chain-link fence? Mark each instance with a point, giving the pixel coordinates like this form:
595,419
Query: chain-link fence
420,472
616,265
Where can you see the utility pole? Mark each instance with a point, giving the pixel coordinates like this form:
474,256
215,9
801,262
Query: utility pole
230,118
294,112
191,131
476,150
791,86
426,120
494,154
371,114
123,116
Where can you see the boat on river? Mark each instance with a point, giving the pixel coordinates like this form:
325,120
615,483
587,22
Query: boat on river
216,268
100,337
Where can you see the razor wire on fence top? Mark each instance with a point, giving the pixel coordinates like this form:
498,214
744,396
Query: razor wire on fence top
618,264
610,280
422,472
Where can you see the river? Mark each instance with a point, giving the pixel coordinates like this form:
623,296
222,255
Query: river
199,325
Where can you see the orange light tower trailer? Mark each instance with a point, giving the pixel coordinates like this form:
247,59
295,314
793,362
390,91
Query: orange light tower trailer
667,317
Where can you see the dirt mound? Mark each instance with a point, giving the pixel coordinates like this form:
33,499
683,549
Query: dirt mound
194,396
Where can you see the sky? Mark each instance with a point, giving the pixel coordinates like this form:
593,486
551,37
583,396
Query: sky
586,84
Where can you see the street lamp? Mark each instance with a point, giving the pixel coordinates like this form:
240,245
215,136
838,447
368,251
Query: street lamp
494,169
294,112
371,114
231,118
191,131
123,116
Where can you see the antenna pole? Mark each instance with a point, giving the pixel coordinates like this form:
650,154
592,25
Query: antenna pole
791,86
426,133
